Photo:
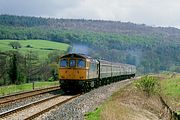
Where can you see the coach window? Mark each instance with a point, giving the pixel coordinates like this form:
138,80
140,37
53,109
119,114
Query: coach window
81,63
64,63
72,63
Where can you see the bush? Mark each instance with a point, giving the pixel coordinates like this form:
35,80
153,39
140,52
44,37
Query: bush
29,46
148,84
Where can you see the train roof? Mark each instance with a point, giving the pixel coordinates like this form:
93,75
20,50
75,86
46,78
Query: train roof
76,55
115,63
79,55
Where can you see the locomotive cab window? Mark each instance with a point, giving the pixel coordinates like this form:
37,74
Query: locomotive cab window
72,63
81,63
64,63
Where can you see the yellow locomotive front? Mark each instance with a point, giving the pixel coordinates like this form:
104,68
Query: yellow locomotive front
77,72
73,67
74,71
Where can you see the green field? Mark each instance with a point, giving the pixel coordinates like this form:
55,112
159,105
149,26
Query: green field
10,89
41,47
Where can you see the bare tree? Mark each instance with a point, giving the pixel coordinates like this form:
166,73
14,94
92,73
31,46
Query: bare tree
31,65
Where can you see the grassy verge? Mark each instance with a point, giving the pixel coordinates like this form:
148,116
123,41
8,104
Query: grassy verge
95,115
110,110
140,99
170,87
5,90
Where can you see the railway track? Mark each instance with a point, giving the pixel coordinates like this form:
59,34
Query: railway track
33,110
20,96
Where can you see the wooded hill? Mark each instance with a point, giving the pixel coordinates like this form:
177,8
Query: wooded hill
152,49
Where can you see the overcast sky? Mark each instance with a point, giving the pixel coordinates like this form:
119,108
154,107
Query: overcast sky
150,12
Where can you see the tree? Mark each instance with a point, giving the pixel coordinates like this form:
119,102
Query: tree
3,64
31,66
15,45
13,69
54,56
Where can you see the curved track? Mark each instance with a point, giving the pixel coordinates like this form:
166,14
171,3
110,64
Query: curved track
37,108
19,96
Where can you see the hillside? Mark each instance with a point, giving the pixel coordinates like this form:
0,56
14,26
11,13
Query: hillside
152,49
41,47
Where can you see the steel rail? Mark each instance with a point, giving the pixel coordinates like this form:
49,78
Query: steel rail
4,114
48,109
19,96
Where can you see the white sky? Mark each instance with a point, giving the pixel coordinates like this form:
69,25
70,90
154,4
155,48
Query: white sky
150,12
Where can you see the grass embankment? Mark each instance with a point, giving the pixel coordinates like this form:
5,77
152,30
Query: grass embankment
140,100
41,47
126,104
5,90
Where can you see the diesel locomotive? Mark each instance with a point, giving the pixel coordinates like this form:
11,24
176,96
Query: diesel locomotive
82,72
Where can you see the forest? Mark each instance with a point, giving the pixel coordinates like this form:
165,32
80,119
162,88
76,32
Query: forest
151,49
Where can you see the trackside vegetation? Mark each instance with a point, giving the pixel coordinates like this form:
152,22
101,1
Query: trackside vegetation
11,89
170,88
148,84
133,101
95,115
